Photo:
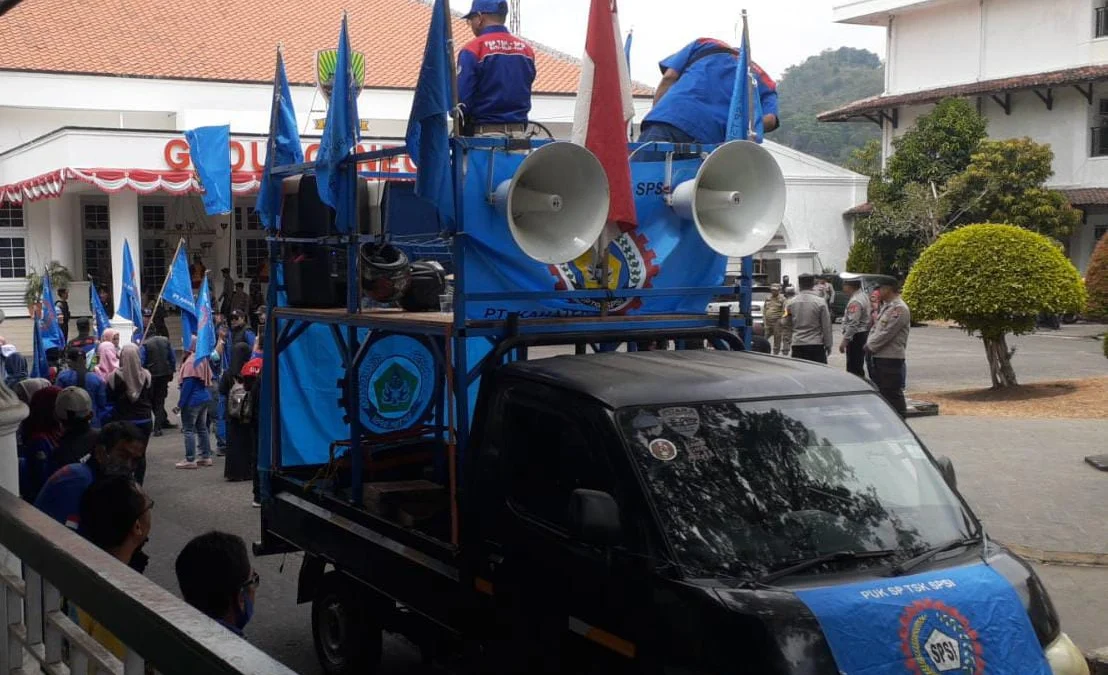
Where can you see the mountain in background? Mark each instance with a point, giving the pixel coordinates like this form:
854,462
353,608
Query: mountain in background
821,83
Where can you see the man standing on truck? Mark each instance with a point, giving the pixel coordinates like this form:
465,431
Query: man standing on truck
495,73
810,322
856,323
693,100
888,344
773,311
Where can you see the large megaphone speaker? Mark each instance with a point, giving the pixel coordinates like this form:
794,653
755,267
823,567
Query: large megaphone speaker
737,199
556,203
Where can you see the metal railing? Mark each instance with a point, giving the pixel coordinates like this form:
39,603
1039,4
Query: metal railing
160,631
1100,19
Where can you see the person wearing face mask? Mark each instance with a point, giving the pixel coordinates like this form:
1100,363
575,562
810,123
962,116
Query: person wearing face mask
216,577
118,450
115,516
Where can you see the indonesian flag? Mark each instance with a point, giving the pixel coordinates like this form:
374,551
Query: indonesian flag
604,108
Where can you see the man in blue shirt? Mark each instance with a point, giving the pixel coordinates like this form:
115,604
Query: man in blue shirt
692,102
495,74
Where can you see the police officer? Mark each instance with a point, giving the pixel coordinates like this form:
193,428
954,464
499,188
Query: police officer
786,322
495,74
887,344
856,323
809,320
773,310
692,102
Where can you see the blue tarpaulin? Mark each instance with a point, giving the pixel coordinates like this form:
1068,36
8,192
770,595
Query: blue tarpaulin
960,621
210,148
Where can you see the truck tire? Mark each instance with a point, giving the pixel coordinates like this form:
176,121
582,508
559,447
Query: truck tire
347,639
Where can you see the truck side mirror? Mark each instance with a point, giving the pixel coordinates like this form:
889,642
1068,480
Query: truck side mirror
946,468
593,518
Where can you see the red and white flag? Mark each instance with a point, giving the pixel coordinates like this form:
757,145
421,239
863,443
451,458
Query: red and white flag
604,107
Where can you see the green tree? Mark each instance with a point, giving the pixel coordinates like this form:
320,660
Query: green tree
863,258
59,278
823,82
994,280
1096,281
1004,183
938,147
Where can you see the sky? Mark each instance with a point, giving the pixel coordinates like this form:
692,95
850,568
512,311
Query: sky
782,32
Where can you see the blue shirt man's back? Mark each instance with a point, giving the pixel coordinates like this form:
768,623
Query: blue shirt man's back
495,74
60,497
699,101
97,391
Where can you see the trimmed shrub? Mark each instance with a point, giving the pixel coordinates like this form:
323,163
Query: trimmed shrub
862,258
1096,281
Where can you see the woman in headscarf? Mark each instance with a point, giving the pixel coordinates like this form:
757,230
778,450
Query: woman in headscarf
41,434
238,425
15,365
110,336
107,360
132,397
25,389
194,381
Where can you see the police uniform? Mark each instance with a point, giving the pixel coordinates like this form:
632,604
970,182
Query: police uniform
856,325
697,106
888,344
773,311
810,324
495,73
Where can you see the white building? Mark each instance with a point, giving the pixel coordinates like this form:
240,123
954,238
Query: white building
1036,68
93,105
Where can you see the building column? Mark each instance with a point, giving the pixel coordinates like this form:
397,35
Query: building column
123,212
64,243
12,412
38,243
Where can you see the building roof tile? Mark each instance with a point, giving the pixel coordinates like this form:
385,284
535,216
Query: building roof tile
1087,196
235,40
1054,78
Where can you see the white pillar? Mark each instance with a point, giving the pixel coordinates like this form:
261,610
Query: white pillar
63,242
12,412
123,213
39,250
797,261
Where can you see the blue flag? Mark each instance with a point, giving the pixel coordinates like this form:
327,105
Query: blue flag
210,148
340,134
50,331
742,124
103,321
130,306
428,137
205,330
178,292
627,47
39,366
283,147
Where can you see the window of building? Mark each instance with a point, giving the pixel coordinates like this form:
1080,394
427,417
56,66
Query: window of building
11,215
13,253
1100,21
153,217
96,217
1098,233
249,253
155,263
98,262
247,218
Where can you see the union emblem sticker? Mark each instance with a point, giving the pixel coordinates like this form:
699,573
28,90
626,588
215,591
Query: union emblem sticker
938,640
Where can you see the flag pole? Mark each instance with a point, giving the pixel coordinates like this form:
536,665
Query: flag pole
454,116
158,302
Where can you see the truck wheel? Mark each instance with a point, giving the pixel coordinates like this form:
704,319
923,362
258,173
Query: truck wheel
347,639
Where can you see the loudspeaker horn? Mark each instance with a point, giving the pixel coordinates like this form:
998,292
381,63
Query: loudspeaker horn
737,199
556,204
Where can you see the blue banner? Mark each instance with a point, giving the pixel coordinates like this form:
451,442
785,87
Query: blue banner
50,330
428,137
965,620
130,302
178,285
627,47
283,147
210,148
662,252
205,329
340,134
103,321
39,365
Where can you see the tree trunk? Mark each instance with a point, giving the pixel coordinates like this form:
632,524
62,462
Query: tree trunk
1000,362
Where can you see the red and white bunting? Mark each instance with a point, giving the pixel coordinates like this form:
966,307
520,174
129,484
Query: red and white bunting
51,185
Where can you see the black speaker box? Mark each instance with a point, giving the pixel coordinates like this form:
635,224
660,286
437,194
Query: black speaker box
303,213
315,276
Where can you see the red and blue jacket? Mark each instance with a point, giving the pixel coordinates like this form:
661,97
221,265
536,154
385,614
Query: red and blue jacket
495,74
699,102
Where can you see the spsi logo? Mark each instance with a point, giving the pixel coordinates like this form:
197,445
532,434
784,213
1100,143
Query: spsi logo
937,639
630,266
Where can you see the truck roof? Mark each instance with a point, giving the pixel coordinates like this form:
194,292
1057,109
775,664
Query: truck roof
619,379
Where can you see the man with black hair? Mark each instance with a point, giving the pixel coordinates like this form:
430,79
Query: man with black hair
77,375
85,341
115,516
61,308
119,449
216,577
159,359
73,408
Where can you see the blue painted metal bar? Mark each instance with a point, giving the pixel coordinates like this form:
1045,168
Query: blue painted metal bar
600,294
383,153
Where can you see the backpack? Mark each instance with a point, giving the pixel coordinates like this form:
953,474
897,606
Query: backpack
238,403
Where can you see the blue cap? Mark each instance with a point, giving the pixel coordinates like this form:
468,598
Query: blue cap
487,7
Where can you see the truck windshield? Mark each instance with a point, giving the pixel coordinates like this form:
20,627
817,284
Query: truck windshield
746,488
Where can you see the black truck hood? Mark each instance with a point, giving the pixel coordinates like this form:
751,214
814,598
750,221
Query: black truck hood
772,632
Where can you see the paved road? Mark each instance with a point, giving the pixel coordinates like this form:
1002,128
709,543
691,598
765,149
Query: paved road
1021,477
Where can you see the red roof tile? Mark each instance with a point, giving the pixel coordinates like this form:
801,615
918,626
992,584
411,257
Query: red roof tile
1087,196
860,210
234,40
1054,78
